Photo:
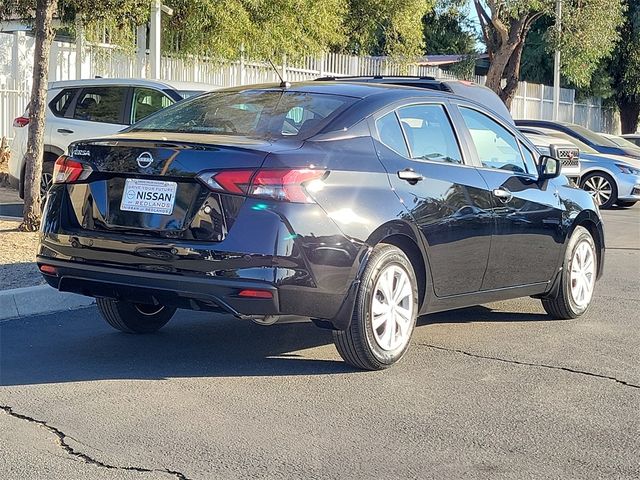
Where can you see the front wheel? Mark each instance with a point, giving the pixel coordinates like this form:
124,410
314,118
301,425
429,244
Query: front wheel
385,313
577,279
134,318
602,187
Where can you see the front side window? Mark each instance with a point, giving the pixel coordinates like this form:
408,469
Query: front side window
529,158
429,133
390,133
101,104
147,101
495,145
253,113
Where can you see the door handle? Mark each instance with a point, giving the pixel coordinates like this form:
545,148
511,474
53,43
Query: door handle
410,176
503,194
65,131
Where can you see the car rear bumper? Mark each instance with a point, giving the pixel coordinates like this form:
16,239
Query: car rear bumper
162,288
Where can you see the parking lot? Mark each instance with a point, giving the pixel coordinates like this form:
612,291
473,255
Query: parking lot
496,391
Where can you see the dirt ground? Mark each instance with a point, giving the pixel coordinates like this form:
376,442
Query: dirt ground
17,257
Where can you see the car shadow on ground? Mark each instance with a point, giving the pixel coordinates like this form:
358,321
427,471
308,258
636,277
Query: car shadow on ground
78,346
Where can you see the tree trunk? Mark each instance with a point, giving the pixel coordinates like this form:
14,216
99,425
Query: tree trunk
44,35
499,61
629,114
512,74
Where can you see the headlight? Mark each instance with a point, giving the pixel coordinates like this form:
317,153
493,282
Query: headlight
628,169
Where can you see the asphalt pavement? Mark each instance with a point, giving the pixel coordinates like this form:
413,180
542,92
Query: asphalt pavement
495,391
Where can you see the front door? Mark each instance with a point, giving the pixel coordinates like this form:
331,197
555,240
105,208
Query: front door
447,199
527,243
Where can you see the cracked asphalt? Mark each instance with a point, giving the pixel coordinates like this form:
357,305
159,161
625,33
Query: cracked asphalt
495,391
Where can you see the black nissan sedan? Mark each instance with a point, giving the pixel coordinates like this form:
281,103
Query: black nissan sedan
357,205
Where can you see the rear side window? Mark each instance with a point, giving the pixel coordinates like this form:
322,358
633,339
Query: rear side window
390,133
62,101
101,104
429,133
495,145
252,113
147,101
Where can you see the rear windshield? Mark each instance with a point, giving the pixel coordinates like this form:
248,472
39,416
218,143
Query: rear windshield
267,114
593,137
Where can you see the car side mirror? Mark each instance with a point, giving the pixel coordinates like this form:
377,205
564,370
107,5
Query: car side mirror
548,167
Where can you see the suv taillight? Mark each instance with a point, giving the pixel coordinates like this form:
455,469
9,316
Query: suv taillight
290,185
21,122
66,170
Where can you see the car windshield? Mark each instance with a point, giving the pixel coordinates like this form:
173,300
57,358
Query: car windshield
584,148
190,93
268,114
592,136
623,142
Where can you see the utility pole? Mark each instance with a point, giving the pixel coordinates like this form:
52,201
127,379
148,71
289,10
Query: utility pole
556,64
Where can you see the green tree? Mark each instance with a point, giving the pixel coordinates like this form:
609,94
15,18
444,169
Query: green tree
40,13
448,30
265,28
386,27
589,34
624,69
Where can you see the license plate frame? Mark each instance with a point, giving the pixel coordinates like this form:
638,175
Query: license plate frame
148,196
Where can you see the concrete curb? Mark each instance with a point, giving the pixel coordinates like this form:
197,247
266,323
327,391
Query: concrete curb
22,302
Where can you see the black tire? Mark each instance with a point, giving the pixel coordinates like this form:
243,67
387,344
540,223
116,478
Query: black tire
626,203
595,177
132,318
563,306
47,177
358,345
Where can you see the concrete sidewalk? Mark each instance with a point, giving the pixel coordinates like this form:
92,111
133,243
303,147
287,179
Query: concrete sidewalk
22,302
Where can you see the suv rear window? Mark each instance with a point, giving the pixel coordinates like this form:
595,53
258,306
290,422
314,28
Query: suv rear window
252,113
61,102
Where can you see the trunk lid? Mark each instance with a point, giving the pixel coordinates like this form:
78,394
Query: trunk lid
145,183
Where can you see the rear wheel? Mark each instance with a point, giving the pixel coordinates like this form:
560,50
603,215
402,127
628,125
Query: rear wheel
134,318
385,313
625,203
602,187
578,278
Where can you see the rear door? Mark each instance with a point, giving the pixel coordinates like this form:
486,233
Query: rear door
527,241
446,198
94,112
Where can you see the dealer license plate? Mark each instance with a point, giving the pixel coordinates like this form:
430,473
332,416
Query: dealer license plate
148,196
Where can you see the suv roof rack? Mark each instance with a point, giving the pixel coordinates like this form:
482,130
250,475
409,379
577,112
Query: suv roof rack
463,88
431,83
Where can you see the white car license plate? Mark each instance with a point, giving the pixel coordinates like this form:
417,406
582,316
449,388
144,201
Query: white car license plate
148,196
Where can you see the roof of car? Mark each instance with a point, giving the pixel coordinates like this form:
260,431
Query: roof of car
140,82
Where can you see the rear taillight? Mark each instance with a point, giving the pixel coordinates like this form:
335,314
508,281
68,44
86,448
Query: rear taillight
290,185
21,122
66,170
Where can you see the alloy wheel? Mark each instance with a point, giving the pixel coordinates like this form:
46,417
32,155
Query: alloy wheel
392,308
583,273
599,188
46,180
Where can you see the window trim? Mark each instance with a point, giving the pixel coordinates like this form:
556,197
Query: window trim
509,129
464,155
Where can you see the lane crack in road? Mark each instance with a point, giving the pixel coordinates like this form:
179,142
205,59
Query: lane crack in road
61,436
529,364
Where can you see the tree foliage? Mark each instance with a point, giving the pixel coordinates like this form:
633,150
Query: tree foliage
386,27
624,68
448,30
264,28
589,33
